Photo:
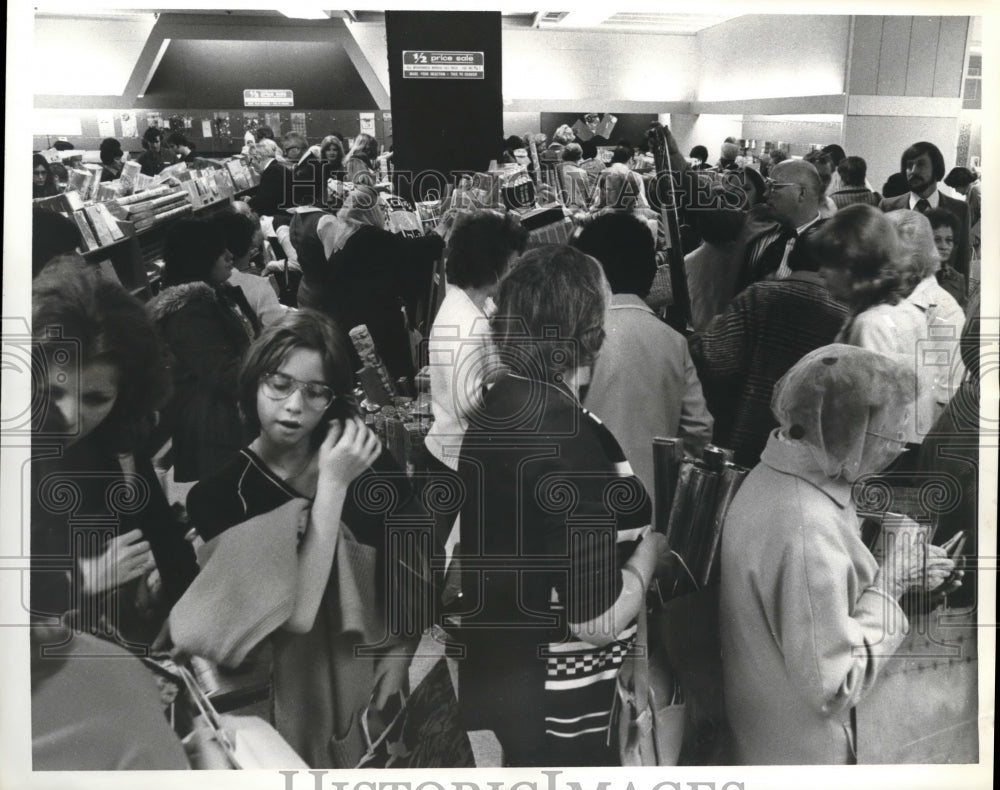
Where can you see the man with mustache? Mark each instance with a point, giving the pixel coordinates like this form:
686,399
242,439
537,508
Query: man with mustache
923,166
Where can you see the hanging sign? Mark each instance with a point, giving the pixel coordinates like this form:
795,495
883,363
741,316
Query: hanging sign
257,97
437,65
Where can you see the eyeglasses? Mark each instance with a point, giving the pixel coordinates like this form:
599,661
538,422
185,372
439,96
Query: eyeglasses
278,386
770,184
292,150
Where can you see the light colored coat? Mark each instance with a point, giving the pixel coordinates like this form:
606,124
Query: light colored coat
803,631
645,385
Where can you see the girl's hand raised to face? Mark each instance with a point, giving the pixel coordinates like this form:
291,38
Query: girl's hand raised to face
347,451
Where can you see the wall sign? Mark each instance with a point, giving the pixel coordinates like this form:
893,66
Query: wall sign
437,65
256,97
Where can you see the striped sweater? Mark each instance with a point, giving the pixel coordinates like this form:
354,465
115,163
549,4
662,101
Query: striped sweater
745,350
552,511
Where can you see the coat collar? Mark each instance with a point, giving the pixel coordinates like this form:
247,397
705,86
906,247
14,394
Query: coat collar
796,459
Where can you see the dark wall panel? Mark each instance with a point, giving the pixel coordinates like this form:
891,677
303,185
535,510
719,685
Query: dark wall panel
210,74
444,125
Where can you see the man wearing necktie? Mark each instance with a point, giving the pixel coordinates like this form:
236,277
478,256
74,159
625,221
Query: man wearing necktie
792,200
923,166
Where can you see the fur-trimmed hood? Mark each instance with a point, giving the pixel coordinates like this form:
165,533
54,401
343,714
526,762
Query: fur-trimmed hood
175,297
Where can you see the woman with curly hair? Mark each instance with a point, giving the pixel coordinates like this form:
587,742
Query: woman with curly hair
862,262
104,543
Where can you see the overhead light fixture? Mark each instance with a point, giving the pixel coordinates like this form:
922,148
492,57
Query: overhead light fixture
304,10
587,17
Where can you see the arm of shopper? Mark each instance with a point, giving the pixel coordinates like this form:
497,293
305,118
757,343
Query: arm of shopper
695,427
345,453
722,349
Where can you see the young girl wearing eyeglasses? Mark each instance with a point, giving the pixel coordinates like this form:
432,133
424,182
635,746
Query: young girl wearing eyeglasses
295,395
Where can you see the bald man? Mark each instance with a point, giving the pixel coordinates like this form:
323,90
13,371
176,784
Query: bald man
791,203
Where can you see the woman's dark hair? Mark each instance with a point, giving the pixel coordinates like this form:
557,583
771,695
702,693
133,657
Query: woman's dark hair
238,231
860,240
263,133
836,153
151,135
625,249
589,148
895,186
110,150
853,170
50,187
513,142
191,249
572,152
700,153
480,245
960,177
52,234
550,313
918,149
941,216
178,138
79,319
63,145
622,153
301,329
332,141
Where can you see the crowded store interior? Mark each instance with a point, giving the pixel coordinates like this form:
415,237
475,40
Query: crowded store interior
425,389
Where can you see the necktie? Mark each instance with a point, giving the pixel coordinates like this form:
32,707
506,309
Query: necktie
769,252
922,205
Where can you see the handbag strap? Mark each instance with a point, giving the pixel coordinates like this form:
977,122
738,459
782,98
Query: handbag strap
208,713
640,672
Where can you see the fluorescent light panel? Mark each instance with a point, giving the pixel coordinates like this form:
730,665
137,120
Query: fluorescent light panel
304,10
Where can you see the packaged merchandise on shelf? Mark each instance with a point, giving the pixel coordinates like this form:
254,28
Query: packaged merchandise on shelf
130,170
400,216
65,202
147,194
183,208
365,347
401,426
86,232
80,179
160,201
100,226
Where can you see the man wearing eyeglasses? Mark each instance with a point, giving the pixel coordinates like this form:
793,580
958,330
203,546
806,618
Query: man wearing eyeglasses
792,201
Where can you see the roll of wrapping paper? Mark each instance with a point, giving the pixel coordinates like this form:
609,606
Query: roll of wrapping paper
365,347
678,505
730,482
694,532
713,457
690,516
667,457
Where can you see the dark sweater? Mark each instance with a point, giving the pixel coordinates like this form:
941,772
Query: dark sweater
745,350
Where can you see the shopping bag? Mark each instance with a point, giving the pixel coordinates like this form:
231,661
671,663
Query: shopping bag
239,742
649,711
424,733
688,629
